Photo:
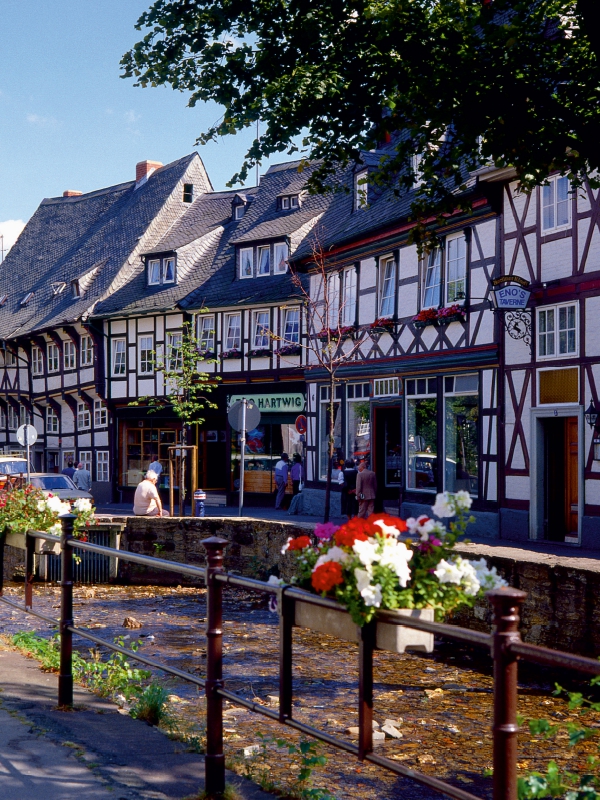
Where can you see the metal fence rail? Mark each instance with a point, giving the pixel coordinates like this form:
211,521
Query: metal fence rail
504,643
92,567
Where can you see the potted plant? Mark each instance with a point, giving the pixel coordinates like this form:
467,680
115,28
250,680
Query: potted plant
427,316
449,314
260,352
205,355
387,564
290,350
233,353
337,334
382,325
29,509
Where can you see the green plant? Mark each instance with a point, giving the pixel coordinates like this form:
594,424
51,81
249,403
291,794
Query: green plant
29,509
230,793
158,548
150,705
46,651
116,675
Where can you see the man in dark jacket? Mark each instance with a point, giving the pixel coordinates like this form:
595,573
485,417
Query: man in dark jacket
366,490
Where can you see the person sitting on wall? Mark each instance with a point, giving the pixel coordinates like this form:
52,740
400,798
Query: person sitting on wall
146,501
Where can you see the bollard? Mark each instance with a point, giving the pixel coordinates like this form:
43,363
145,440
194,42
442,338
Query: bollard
506,605
65,676
365,689
199,498
214,759
29,569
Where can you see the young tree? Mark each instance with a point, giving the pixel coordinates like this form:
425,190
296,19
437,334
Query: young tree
331,342
512,83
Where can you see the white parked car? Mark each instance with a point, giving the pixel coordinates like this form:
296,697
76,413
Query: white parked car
59,485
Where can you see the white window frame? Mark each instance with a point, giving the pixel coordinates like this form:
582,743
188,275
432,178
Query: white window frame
154,272
432,270
260,330
84,418
386,387
348,291
119,365
170,260
387,299
52,357
173,353
291,327
102,471
2,418
206,331
145,354
361,190
100,414
448,262
23,415
52,421
555,333
294,201
69,355
231,339
243,252
549,200
260,253
285,203
86,353
239,211
10,358
85,456
280,256
37,361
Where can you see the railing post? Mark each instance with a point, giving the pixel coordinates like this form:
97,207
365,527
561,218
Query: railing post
287,611
506,604
365,689
29,569
214,760
2,546
65,676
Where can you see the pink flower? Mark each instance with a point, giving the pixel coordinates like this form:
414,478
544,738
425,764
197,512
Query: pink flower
325,530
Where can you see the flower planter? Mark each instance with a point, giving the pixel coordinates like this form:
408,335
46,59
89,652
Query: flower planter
423,323
394,638
41,547
451,318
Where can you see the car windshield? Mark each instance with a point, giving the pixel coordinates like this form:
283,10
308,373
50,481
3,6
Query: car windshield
15,467
53,482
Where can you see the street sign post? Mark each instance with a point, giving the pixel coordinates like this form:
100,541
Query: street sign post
26,436
243,416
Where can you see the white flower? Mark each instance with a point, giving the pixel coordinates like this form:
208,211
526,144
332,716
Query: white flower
65,508
334,553
54,504
372,595
423,526
366,552
56,529
461,572
487,576
444,506
463,500
82,504
396,556
42,505
286,545
387,530
363,579
448,572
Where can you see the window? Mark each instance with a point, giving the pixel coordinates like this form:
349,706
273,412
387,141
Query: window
246,262
23,420
3,299
69,355
102,465
206,333
11,359
52,355
285,203
348,296
358,421
169,270
2,418
174,360
37,361
86,351
324,420
456,269
85,456
264,260
555,203
51,420
75,289
388,287
291,328
386,387
416,168
280,253
239,212
360,190
154,272
118,357
84,418
294,201
233,339
422,433
260,340
433,279
27,298
146,355
188,194
100,414
333,299
557,331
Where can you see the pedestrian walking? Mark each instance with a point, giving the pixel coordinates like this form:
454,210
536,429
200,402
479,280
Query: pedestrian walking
281,478
366,490
69,470
297,474
349,503
82,478
146,501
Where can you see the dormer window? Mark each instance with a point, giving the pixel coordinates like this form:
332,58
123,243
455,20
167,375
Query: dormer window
288,202
239,212
27,298
246,262
161,270
361,193
3,299
280,259
75,289
188,192
58,287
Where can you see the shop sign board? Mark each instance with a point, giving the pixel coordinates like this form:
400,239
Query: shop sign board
273,403
510,292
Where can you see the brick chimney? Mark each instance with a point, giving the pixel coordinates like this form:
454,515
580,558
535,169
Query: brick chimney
72,193
143,169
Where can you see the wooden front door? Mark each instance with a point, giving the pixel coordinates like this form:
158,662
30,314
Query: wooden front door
571,451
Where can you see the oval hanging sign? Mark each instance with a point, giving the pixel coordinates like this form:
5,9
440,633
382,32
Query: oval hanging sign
510,298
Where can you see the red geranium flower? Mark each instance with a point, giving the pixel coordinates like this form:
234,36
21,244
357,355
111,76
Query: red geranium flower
326,576
389,520
355,529
299,543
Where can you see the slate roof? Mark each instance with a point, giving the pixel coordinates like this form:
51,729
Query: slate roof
96,236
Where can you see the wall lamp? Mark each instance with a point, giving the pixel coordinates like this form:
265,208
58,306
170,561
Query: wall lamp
591,417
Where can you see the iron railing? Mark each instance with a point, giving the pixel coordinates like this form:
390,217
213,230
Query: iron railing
504,644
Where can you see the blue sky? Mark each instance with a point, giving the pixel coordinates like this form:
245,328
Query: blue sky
67,118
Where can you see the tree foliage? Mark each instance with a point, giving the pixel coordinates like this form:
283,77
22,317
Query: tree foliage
514,83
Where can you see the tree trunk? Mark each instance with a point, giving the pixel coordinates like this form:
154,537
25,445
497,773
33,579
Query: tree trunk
330,448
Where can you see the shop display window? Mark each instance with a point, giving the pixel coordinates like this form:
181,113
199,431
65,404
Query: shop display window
264,446
141,446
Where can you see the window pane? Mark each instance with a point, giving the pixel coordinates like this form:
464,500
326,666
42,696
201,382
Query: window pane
388,286
264,261
206,334
261,329
548,206
281,257
422,443
349,296
169,270
174,354
324,437
462,456
153,272
562,201
146,357
456,269
359,430
246,263
291,332
431,294
233,332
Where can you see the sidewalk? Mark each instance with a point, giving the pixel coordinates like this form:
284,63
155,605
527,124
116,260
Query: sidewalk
92,753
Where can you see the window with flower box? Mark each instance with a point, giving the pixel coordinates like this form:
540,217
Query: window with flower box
444,274
84,417
51,420
206,333
291,328
260,338
233,326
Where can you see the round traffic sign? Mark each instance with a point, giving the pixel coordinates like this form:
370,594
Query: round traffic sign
26,434
235,413
301,424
